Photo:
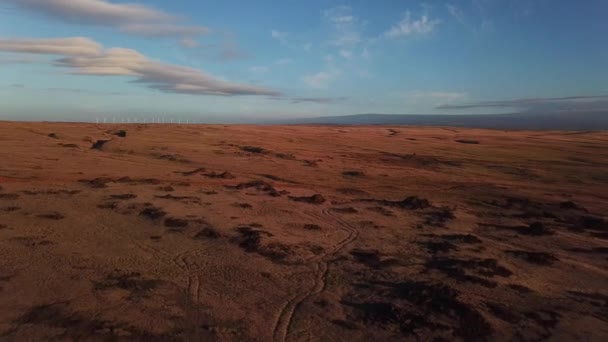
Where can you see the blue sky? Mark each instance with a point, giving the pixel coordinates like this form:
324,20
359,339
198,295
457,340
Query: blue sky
245,60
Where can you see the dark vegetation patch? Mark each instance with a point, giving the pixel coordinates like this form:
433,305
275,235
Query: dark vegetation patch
569,205
51,192
31,241
82,327
276,178
9,196
98,145
250,238
10,209
538,258
419,310
101,182
167,188
353,173
52,216
69,145
467,141
259,185
314,199
538,325
533,229
253,149
310,163
459,238
411,202
153,213
123,196
190,173
565,214
53,135
223,175
520,288
286,156
172,157
457,269
595,299
348,210
393,132
439,216
504,312
372,258
118,132
185,199
108,205
352,192
174,222
97,183
312,226
381,210
438,246
242,205
207,233
133,282
595,250
275,251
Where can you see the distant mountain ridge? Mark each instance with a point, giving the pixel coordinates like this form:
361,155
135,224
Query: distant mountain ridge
533,121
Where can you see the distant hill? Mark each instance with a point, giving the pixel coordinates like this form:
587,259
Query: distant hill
532,121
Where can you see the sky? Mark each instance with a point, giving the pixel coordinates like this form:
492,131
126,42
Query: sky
237,61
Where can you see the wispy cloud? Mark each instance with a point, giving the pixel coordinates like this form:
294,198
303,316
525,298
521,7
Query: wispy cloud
130,18
456,13
590,102
318,100
443,96
283,61
74,46
409,26
279,35
321,79
346,31
83,56
260,69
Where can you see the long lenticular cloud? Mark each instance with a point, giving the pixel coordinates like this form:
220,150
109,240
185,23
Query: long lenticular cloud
133,19
83,56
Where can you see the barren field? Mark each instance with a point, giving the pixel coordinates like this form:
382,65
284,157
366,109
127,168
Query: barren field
301,233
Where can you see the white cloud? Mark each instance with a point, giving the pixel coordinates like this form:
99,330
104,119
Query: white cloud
366,54
364,73
346,53
433,96
346,30
322,79
259,69
283,61
280,36
189,43
163,30
78,46
456,13
408,26
130,18
84,56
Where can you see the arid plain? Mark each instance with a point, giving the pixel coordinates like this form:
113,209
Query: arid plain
303,233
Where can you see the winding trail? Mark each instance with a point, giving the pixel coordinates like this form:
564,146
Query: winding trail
320,270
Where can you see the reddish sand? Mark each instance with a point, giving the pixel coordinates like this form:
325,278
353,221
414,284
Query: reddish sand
307,233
